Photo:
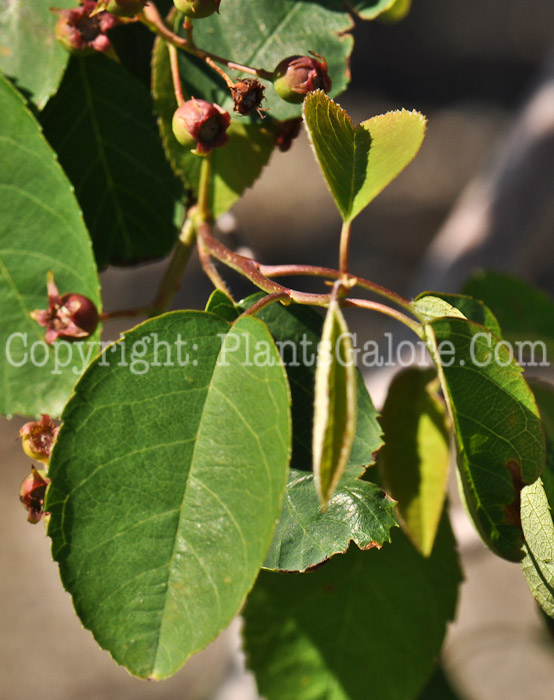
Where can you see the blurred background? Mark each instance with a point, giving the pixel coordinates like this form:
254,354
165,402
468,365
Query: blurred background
480,193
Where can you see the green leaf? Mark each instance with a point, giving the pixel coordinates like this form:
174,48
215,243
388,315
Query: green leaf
297,331
525,313
497,426
41,229
167,479
343,631
370,9
416,456
538,528
544,396
235,167
536,512
335,403
221,305
30,55
396,12
431,305
359,162
359,511
102,127
305,536
274,30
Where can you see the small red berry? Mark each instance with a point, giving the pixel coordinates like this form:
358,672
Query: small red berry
296,76
38,437
81,31
201,125
197,8
31,494
68,316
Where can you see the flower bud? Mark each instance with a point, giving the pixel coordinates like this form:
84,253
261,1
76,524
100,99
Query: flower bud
31,494
201,124
248,94
38,437
80,31
68,316
296,76
121,8
197,8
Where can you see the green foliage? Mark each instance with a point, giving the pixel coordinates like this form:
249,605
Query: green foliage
30,56
525,313
497,426
100,123
170,484
335,404
150,477
415,459
435,304
41,229
359,162
365,626
306,536
538,528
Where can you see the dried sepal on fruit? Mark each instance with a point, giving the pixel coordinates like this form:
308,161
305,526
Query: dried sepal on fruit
296,76
32,493
201,125
38,437
70,316
248,94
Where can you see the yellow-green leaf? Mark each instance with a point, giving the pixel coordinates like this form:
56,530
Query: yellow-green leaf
416,455
334,403
359,162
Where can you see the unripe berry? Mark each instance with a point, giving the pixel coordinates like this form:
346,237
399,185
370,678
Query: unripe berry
38,437
202,125
69,316
31,494
197,8
122,8
296,76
